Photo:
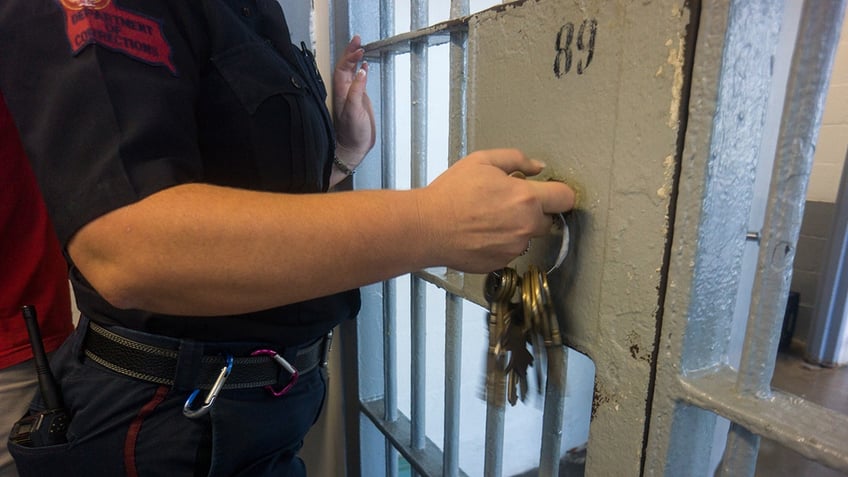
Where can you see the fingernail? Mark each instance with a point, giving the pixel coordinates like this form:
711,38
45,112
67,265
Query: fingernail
539,163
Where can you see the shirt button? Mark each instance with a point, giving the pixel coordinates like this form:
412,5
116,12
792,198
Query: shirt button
295,82
245,11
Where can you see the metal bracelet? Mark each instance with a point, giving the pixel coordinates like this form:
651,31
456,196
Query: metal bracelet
347,170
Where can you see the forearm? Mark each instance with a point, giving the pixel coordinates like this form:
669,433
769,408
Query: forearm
204,250
207,250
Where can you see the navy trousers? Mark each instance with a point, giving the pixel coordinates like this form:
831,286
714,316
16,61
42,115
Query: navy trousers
121,426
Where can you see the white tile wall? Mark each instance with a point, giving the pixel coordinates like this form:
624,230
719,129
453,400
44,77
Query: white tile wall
833,137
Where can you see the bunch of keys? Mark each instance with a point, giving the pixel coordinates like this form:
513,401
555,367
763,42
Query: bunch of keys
500,287
512,326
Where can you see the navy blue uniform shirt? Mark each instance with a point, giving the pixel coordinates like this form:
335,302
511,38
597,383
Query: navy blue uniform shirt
119,99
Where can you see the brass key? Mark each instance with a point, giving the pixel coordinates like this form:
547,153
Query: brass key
549,312
519,360
532,324
545,320
499,288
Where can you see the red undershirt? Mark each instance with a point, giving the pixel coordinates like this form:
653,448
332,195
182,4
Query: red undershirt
32,269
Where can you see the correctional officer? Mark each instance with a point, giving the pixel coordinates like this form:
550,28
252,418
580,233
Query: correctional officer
184,149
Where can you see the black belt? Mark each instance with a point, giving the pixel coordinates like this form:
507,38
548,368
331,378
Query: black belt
159,364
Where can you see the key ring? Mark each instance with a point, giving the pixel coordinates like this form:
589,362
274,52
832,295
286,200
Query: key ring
540,249
564,244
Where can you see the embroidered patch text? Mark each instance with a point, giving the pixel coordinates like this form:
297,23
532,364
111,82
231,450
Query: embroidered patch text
102,22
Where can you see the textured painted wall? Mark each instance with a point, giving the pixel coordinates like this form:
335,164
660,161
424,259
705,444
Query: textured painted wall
833,136
594,89
809,262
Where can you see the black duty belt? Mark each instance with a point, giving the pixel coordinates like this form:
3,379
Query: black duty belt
159,364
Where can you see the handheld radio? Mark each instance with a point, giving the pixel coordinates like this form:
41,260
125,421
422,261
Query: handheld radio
47,427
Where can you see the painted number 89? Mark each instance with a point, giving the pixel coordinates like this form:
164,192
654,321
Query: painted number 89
566,43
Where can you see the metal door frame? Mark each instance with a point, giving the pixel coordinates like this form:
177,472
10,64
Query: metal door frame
695,383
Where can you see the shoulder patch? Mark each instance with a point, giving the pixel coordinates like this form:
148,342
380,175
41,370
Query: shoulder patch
102,22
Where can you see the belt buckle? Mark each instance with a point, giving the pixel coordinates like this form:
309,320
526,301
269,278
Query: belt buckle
285,365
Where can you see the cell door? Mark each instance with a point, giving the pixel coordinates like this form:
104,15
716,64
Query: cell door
654,112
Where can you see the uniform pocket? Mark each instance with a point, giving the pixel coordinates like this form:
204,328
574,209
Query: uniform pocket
279,119
59,459
256,72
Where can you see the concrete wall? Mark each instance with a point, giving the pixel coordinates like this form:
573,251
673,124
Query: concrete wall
809,262
833,137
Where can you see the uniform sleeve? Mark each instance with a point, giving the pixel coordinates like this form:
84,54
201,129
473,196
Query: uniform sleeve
103,93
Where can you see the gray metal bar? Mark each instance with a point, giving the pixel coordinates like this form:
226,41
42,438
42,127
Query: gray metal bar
426,461
718,154
390,368
740,452
387,174
750,38
493,457
554,412
457,146
813,431
387,138
453,383
434,35
362,363
418,94
391,457
453,312
493,451
812,62
419,355
453,282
